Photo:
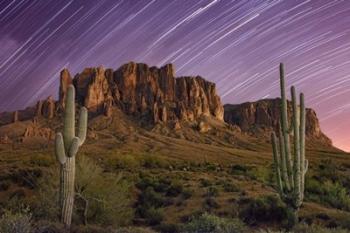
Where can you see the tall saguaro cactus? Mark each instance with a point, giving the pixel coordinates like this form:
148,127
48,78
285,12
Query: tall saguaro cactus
66,147
290,173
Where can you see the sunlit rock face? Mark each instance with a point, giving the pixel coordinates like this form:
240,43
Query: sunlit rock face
265,114
151,92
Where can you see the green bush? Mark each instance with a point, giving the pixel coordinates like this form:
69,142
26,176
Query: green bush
158,184
101,198
212,191
230,187
151,198
336,195
126,162
151,161
237,169
262,174
154,215
187,193
107,195
168,228
175,189
328,192
207,223
19,222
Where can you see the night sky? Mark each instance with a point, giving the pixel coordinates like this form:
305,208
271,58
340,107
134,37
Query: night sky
237,44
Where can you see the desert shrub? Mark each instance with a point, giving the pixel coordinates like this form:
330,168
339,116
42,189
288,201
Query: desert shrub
168,228
126,162
19,222
187,193
151,161
303,228
4,185
230,187
41,160
149,197
264,209
149,206
262,174
205,182
327,192
336,195
207,223
327,169
156,193
175,188
210,203
104,196
313,187
101,198
238,169
212,191
154,215
210,166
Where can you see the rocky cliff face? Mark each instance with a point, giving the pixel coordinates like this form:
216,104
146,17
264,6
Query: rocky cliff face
265,114
155,95
149,92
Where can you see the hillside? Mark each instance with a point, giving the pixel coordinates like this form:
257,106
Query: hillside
151,125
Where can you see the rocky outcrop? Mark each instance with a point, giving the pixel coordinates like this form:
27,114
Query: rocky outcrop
265,114
65,81
15,117
46,108
33,130
151,93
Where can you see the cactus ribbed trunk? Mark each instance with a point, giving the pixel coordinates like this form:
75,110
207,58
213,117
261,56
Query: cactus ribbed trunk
290,173
68,190
66,148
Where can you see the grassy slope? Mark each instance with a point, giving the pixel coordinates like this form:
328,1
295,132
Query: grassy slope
197,161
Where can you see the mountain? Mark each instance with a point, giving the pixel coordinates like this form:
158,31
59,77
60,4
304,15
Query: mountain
158,129
154,95
264,115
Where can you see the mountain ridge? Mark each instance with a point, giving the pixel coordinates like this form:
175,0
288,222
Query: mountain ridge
155,95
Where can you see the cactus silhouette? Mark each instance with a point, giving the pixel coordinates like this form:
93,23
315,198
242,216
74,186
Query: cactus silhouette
290,173
66,148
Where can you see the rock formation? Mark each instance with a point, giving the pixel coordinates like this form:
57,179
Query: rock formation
265,114
65,81
15,117
149,92
45,108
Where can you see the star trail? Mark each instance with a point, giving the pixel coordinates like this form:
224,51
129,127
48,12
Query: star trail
237,44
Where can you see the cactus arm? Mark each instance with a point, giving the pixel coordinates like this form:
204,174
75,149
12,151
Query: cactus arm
306,166
69,118
296,159
277,162
82,125
283,161
74,147
285,128
59,149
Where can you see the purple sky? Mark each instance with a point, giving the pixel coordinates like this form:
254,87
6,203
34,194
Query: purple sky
237,44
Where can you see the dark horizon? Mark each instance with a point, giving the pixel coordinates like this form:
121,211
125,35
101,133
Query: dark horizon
238,45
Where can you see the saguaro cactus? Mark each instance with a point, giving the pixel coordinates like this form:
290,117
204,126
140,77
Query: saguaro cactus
67,145
290,173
